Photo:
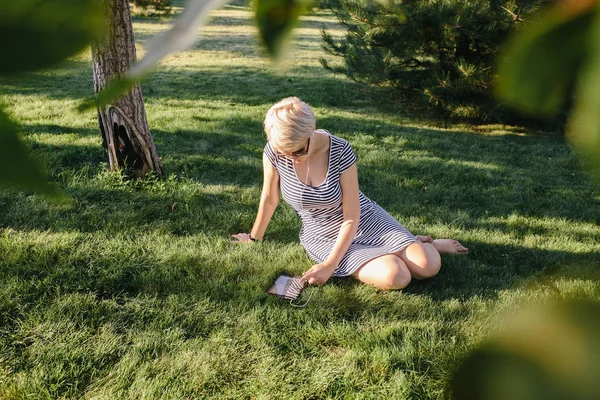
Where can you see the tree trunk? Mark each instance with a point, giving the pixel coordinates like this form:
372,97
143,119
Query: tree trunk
123,125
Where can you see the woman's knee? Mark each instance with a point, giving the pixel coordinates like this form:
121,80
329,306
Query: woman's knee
398,276
431,265
387,273
422,259
431,270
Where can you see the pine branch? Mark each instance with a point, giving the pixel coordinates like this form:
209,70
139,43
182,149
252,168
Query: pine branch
516,17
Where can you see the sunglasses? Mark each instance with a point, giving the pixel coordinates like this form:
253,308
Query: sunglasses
298,153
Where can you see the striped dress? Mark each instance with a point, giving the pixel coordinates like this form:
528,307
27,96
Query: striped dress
320,208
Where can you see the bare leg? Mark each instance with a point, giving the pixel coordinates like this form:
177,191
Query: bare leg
421,259
444,246
387,272
449,246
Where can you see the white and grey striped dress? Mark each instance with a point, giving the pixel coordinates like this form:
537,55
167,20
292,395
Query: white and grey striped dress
322,214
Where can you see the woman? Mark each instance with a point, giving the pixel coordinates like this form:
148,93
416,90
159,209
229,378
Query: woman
343,231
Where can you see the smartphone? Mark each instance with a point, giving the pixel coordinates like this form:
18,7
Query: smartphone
287,287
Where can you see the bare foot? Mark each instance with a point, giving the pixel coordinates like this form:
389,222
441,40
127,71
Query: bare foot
449,246
424,239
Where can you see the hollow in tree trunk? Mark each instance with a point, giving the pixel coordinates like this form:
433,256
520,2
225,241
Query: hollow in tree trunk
123,125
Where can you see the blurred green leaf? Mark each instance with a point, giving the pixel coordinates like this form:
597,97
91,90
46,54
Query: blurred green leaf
545,353
584,125
39,33
276,19
543,58
115,88
17,168
182,35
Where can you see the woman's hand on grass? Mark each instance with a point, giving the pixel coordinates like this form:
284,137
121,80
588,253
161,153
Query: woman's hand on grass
425,239
241,238
318,274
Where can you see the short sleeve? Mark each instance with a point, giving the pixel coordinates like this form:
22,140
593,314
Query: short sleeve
270,154
347,158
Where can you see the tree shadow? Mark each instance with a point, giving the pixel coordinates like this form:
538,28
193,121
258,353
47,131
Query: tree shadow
59,157
63,81
485,272
313,20
491,268
240,86
204,156
435,173
249,46
55,129
124,208
410,172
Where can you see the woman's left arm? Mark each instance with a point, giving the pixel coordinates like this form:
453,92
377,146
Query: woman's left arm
320,273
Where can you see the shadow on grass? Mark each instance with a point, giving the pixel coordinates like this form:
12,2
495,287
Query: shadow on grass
59,157
70,79
127,209
409,171
132,271
249,45
139,272
455,178
438,174
459,179
312,21
238,86
249,86
138,289
491,268
55,129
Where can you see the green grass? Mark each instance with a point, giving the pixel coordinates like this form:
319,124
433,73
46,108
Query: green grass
134,291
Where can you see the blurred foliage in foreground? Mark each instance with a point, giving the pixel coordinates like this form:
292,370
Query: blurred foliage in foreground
548,352
41,34
44,32
551,60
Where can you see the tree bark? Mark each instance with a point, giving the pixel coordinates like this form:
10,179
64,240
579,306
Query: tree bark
123,125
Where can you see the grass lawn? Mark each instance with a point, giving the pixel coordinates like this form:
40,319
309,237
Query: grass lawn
134,291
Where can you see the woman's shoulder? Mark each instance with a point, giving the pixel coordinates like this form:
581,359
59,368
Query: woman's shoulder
334,139
268,151
338,144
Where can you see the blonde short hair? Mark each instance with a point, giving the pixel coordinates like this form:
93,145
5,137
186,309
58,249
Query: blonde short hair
289,123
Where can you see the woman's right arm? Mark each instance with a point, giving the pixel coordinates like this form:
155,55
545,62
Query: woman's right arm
269,200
